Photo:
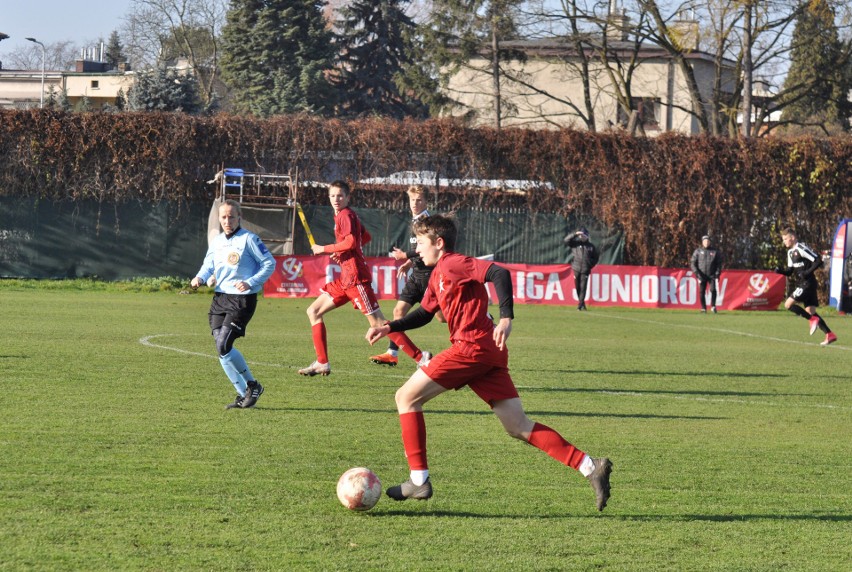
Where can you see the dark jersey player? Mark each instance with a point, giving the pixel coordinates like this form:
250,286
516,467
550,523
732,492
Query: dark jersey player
353,284
802,262
477,358
415,284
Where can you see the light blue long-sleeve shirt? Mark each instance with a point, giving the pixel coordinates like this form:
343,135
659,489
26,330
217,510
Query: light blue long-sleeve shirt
240,257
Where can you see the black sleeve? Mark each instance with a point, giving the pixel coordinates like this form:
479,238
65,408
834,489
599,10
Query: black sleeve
815,263
416,319
502,281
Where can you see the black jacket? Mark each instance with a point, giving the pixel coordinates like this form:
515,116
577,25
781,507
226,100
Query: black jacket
585,253
848,266
706,263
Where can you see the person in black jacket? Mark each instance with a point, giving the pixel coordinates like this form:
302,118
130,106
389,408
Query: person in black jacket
585,257
846,288
706,264
802,262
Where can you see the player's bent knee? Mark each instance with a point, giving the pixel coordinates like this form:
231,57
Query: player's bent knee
224,341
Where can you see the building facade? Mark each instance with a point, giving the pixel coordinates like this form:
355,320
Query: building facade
91,81
546,88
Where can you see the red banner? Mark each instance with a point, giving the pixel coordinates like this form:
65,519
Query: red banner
633,286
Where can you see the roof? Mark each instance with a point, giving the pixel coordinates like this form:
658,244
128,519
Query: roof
563,45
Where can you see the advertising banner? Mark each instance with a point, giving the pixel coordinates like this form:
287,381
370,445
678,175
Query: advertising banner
631,286
839,248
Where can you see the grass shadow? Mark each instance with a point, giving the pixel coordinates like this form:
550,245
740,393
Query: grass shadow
532,413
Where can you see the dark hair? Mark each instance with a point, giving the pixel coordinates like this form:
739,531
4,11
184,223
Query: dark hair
438,226
340,184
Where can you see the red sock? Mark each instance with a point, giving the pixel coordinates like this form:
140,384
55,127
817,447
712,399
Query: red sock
320,342
554,445
414,439
405,344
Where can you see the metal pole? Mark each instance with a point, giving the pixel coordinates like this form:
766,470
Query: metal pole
41,104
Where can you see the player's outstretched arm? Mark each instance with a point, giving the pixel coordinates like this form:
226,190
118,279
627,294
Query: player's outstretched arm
375,334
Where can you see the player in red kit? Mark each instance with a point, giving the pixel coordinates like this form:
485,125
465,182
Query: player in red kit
477,358
353,284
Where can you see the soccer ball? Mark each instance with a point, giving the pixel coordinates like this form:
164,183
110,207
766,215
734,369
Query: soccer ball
359,489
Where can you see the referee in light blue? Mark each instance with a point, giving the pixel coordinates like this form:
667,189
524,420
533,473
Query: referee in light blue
240,263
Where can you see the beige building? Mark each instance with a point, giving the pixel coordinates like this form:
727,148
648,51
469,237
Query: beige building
21,89
546,90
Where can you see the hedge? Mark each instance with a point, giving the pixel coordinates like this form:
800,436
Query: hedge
664,192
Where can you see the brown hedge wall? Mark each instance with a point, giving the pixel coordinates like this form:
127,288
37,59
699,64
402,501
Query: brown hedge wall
664,192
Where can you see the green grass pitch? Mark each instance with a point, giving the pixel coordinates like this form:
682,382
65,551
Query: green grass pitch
731,436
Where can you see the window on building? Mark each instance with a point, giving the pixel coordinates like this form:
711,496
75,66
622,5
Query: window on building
95,84
648,109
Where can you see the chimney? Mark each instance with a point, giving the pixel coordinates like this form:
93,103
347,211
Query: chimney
684,32
617,22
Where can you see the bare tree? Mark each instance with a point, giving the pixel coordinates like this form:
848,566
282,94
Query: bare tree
157,31
58,56
755,36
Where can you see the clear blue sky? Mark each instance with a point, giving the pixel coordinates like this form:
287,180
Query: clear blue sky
52,21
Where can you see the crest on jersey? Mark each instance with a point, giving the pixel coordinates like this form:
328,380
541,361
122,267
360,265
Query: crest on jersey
234,258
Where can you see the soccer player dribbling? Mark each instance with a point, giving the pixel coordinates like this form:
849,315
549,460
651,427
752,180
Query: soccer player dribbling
353,284
477,358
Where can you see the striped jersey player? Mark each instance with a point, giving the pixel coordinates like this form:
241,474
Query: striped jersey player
802,262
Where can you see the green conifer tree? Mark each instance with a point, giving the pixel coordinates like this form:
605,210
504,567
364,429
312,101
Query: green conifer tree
164,89
114,51
374,51
461,30
818,82
276,55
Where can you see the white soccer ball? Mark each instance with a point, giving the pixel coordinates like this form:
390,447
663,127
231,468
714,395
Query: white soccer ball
359,489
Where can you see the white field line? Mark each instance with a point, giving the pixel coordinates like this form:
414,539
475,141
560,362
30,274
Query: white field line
832,347
146,341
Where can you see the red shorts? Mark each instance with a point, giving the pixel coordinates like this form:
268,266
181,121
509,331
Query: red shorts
361,295
485,370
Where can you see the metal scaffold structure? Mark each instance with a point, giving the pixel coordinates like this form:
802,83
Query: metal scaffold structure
268,203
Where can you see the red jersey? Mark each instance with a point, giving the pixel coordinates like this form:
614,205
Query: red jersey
350,237
457,288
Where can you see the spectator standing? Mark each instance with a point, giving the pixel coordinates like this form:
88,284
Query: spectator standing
846,291
584,258
706,264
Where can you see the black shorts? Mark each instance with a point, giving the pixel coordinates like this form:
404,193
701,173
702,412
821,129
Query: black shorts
227,309
415,287
806,294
